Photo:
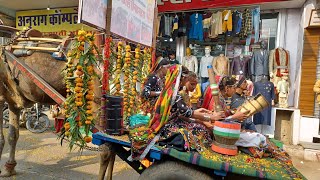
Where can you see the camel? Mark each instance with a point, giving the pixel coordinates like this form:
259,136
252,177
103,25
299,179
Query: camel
20,92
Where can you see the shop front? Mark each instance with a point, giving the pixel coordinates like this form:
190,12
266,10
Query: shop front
257,40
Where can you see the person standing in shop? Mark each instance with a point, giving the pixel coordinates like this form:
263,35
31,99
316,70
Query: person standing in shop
172,58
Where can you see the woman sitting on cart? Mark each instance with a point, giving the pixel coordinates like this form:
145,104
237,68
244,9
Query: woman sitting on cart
155,82
174,123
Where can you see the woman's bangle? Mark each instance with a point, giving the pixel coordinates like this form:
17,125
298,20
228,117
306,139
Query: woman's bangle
158,93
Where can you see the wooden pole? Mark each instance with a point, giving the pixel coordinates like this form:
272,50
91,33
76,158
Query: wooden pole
35,48
40,39
154,37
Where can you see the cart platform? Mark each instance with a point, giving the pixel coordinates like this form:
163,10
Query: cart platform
242,164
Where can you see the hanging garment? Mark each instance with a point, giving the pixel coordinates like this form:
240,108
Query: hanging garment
158,21
227,21
240,66
206,24
162,26
184,24
259,63
175,27
246,27
191,63
215,25
236,22
165,26
278,61
256,23
196,30
266,88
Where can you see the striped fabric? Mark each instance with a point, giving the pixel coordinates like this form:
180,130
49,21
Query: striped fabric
266,168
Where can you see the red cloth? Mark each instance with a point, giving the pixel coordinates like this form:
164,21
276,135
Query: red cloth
277,56
58,124
208,102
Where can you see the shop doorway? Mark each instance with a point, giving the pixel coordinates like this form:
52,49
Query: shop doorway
310,72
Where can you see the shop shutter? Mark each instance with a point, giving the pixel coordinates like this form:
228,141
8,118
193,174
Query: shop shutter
310,66
316,104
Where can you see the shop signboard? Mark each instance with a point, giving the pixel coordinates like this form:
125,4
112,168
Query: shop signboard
180,5
93,13
314,18
133,20
54,21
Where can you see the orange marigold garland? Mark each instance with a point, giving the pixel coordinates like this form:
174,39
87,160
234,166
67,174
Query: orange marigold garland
79,79
127,108
116,81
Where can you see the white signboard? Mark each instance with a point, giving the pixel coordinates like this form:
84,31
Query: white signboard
93,13
133,20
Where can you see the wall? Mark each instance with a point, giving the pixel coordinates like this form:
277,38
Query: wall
309,128
289,27
7,11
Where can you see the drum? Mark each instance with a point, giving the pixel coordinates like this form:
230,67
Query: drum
226,135
255,105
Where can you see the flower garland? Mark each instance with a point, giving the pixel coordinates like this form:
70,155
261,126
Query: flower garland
79,81
128,81
146,67
106,66
117,72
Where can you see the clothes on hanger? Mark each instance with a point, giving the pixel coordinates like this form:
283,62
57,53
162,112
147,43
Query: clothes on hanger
196,30
246,26
215,25
206,24
227,22
166,24
175,26
236,22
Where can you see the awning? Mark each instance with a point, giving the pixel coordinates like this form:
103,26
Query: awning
184,5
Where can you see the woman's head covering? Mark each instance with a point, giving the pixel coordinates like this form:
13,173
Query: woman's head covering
226,81
160,62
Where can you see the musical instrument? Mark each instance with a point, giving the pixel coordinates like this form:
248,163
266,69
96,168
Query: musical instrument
226,134
254,105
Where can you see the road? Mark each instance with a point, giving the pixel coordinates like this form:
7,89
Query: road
41,157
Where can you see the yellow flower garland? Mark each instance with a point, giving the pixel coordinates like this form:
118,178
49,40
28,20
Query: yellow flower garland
79,80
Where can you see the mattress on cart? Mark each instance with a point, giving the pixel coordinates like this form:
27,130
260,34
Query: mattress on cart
268,168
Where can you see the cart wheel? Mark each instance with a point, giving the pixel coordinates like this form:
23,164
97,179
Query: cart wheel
171,170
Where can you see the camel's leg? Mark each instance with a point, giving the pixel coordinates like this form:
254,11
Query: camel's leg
111,164
2,140
13,137
104,160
